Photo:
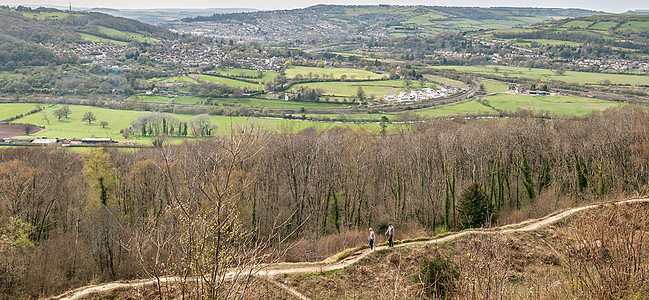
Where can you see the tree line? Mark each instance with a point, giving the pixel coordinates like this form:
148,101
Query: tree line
203,207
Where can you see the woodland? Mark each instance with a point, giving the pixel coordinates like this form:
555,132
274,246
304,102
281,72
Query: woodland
235,202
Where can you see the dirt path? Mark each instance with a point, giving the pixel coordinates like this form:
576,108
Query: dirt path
355,257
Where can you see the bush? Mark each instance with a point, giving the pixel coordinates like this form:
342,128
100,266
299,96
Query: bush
474,207
437,277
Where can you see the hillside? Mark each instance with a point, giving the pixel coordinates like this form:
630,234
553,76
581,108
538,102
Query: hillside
611,34
334,23
42,36
534,259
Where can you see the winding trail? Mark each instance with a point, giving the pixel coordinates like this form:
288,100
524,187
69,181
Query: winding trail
529,225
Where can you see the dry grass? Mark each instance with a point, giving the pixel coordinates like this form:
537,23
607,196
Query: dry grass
562,261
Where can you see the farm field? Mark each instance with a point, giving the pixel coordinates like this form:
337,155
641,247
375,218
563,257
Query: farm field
167,100
471,107
447,81
545,74
126,36
94,38
337,72
183,78
247,74
47,15
118,119
491,86
230,82
371,88
528,42
8,110
565,105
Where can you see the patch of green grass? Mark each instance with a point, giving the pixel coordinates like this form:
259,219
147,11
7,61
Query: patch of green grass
565,105
230,82
544,74
371,88
260,103
237,72
635,26
96,39
47,15
548,42
577,24
118,119
126,36
8,110
336,72
491,86
605,25
183,78
471,107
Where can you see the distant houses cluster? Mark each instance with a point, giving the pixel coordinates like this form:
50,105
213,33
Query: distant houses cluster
418,95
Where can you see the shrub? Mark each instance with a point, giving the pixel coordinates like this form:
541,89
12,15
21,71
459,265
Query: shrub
437,277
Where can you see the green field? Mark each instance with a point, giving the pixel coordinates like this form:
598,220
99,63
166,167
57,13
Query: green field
577,24
230,82
247,74
336,72
237,72
96,39
635,26
544,74
471,107
548,42
183,78
565,105
118,119
491,86
125,35
166,99
602,25
8,110
371,88
47,15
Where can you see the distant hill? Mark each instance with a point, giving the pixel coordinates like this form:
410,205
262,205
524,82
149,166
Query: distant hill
623,32
341,23
29,36
638,12
159,15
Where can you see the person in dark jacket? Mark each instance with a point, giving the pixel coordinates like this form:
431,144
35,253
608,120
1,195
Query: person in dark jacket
390,234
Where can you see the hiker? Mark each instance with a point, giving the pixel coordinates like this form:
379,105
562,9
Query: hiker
390,233
371,240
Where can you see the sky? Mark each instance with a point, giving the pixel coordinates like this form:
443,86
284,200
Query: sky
600,5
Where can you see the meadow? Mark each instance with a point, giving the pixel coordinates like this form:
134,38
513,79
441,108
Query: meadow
73,127
126,36
491,86
8,110
94,38
471,107
564,105
371,88
230,82
337,72
547,75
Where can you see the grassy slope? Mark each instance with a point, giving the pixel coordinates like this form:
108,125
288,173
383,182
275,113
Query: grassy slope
337,72
371,88
565,105
544,74
94,38
230,82
8,110
520,265
118,119
471,107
